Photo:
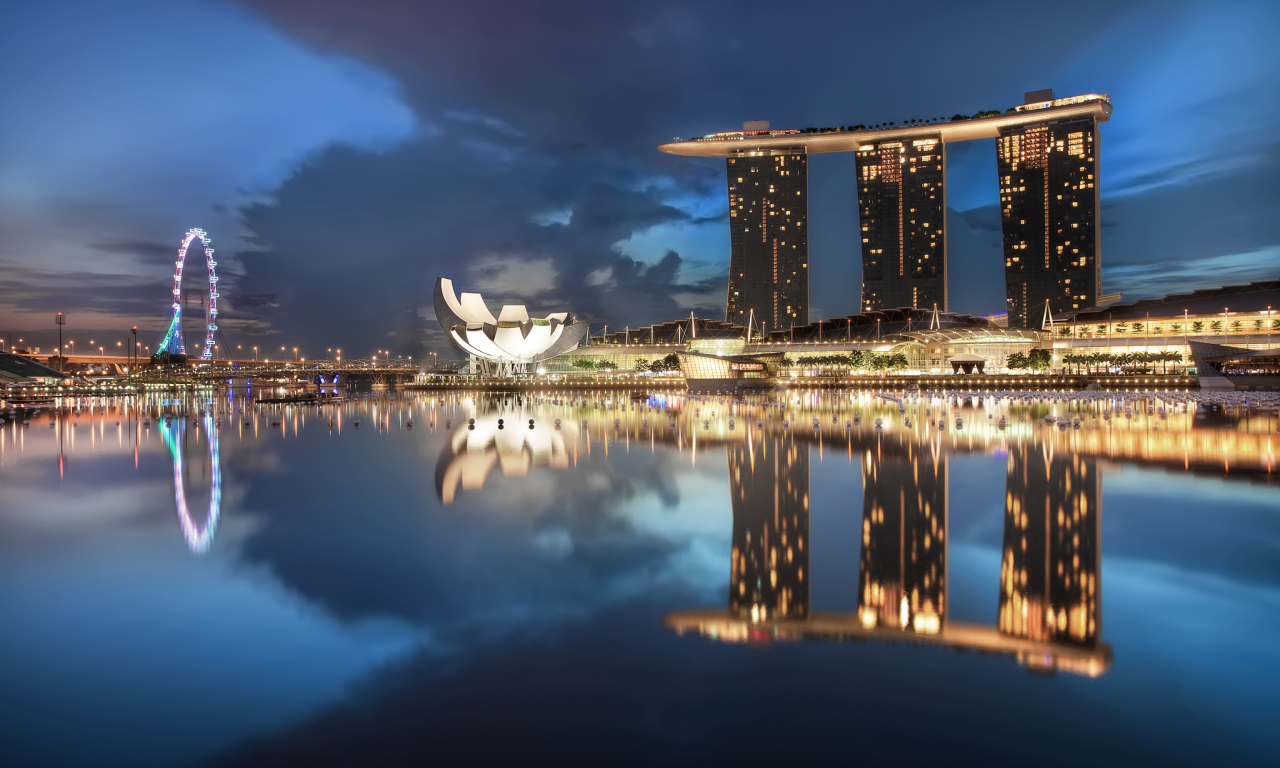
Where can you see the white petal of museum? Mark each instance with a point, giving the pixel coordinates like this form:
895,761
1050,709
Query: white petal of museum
510,342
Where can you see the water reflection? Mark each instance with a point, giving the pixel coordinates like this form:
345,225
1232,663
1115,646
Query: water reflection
769,565
902,573
1046,593
1049,566
1049,596
199,536
474,450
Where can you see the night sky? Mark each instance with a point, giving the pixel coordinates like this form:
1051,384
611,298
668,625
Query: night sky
343,154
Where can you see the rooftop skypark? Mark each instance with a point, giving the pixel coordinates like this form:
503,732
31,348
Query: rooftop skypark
959,127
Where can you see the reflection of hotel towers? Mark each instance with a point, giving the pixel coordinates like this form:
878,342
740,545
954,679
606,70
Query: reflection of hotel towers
903,571
1049,588
769,486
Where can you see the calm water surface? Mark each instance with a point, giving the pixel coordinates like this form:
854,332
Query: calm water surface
653,586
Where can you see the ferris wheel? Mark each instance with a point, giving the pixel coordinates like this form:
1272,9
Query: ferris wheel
173,342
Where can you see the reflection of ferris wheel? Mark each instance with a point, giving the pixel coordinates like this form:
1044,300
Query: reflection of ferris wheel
173,342
198,537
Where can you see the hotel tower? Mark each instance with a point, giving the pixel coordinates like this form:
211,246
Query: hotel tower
769,256
1047,161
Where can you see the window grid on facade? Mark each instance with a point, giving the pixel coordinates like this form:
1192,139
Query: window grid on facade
769,247
902,218
1048,213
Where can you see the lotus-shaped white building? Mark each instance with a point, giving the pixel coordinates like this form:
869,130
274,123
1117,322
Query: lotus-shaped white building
505,345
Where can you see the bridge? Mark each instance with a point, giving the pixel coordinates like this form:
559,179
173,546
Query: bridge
223,367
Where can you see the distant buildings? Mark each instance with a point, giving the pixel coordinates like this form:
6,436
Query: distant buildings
1048,164
927,339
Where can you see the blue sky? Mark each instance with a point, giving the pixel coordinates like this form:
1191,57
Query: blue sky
342,155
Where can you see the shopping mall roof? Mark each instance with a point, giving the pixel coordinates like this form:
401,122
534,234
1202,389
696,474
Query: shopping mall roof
16,369
674,332
1254,297
890,322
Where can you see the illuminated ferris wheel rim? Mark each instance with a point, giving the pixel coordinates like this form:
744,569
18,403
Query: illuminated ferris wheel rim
174,336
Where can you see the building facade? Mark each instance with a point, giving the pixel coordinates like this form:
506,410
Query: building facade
769,239
1048,176
1047,161
902,208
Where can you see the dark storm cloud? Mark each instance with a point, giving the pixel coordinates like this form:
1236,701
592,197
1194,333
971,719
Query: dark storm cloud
531,142
252,300
533,111
28,289
539,158
372,232
143,251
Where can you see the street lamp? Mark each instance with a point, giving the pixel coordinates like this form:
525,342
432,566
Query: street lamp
61,320
295,354
255,354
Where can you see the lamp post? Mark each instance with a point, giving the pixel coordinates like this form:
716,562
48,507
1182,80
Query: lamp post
61,320
295,354
133,365
255,354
